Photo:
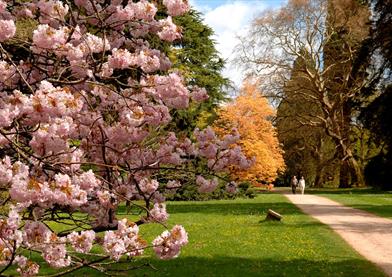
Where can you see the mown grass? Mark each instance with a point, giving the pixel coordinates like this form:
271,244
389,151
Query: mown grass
230,238
377,202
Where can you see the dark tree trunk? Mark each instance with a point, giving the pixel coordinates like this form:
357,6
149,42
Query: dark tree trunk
344,175
318,181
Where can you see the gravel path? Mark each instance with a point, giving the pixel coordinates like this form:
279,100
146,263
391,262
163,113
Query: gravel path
369,234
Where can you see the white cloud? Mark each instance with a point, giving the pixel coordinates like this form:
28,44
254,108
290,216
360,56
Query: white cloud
228,21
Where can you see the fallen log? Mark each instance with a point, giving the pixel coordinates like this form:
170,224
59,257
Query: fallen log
272,215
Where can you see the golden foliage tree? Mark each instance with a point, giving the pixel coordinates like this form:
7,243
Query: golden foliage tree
251,115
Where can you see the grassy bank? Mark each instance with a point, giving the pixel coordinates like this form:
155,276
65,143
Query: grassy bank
226,238
379,203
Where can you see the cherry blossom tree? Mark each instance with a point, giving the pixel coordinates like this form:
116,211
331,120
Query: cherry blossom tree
84,103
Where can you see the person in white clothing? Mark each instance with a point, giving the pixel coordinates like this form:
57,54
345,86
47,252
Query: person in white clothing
301,185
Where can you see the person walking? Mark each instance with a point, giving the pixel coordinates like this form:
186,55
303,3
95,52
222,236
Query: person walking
301,185
294,183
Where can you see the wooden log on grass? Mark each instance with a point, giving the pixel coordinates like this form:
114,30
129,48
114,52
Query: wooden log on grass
272,215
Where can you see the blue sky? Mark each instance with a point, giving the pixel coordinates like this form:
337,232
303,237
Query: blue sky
216,3
230,18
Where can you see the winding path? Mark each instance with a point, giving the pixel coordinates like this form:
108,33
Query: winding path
369,234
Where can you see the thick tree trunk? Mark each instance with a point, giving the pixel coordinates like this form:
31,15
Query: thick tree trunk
356,173
344,175
350,168
318,181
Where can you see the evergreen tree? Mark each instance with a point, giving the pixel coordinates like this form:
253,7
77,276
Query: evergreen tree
307,149
196,57
377,116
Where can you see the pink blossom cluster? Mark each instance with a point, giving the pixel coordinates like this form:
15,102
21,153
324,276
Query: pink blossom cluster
85,108
168,244
7,29
169,89
176,7
158,212
124,241
5,171
148,186
172,186
169,31
52,138
52,11
206,186
7,71
147,60
26,267
221,153
199,94
3,6
59,190
82,242
37,236
10,236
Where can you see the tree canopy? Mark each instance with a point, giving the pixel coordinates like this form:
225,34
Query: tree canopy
87,95
251,115
327,36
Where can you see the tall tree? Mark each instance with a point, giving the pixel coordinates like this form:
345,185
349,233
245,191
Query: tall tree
308,151
278,37
347,22
196,57
251,115
377,114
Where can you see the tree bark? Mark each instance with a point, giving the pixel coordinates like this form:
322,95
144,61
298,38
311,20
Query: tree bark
344,175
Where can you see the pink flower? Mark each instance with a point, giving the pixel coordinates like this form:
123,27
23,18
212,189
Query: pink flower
114,246
48,38
147,61
169,31
25,267
148,186
55,254
168,244
124,14
124,241
206,186
36,234
199,94
82,242
7,29
158,213
104,198
144,10
171,90
3,6
6,71
5,171
95,44
87,181
51,11
176,7
173,185
121,58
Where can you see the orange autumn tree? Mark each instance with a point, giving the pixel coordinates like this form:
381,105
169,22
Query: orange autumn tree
251,115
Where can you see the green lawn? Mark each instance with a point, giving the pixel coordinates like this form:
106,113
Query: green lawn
228,239
376,202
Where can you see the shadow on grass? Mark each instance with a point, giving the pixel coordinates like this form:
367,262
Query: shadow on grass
235,266
380,210
346,191
227,208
